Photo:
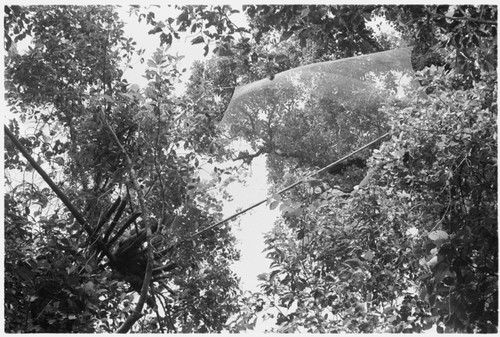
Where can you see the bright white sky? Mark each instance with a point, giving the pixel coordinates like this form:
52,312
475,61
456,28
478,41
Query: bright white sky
253,224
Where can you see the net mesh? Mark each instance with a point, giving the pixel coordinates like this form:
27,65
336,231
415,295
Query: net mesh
368,77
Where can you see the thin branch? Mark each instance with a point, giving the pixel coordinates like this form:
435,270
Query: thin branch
463,18
246,157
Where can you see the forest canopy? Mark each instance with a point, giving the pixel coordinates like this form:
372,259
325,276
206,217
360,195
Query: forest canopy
111,227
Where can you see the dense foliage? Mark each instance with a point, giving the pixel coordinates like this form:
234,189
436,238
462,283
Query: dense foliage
101,138
412,247
416,247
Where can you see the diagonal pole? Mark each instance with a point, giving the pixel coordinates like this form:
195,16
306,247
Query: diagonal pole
60,194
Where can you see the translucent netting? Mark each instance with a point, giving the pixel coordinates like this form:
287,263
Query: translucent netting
352,82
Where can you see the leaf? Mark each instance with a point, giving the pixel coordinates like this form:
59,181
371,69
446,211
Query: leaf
281,58
389,309
300,234
127,96
197,40
298,211
165,39
286,35
276,196
438,235
432,262
89,287
182,17
135,88
285,208
441,145
345,275
398,153
355,260
155,30
108,98
368,255
272,275
286,280
424,276
152,64
274,204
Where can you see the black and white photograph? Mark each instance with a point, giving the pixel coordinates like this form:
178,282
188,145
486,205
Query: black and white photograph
257,168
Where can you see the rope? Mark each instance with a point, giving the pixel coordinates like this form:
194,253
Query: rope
286,188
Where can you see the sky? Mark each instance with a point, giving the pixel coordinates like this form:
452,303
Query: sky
181,47
253,224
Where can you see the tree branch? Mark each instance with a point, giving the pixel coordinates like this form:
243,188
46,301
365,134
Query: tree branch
463,18
76,214
247,157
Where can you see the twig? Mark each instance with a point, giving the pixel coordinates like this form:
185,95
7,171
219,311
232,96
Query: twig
442,218
281,312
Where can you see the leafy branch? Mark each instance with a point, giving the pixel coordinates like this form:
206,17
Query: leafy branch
60,194
462,18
